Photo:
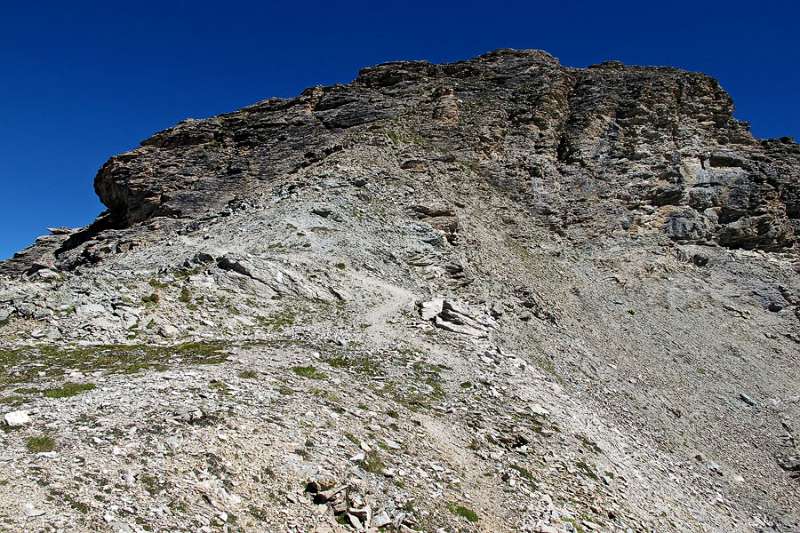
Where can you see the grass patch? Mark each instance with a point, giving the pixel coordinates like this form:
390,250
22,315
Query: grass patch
419,391
150,483
373,463
24,365
586,469
185,296
40,444
248,374
309,372
525,473
12,401
362,365
463,512
69,389
219,386
278,321
151,299
324,394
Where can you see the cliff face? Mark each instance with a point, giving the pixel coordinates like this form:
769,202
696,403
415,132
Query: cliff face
611,139
646,150
539,297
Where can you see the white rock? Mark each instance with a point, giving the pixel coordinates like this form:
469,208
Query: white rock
431,309
168,330
30,511
381,519
89,310
17,418
357,458
538,409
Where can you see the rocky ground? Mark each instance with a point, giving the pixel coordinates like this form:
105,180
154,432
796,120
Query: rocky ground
496,295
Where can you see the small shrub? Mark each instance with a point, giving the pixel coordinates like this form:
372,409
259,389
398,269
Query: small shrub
151,299
69,389
463,512
186,295
279,321
373,463
309,372
40,444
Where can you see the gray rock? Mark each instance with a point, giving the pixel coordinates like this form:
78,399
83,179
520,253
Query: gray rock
431,308
17,419
381,519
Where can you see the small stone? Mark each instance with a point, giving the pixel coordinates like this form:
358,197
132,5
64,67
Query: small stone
747,399
30,511
539,410
46,274
392,444
431,309
381,519
168,330
357,458
355,522
17,418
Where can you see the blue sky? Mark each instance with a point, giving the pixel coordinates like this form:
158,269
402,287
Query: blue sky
81,81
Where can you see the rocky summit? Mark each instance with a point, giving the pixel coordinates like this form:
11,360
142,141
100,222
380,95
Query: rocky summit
496,295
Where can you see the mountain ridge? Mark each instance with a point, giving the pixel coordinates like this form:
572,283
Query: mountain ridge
493,295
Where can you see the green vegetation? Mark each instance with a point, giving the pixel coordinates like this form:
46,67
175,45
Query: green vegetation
151,299
40,444
588,470
363,365
420,390
220,386
324,394
150,483
185,296
525,473
12,400
405,137
23,365
76,504
69,389
373,463
278,321
309,372
248,374
463,512
575,524
285,390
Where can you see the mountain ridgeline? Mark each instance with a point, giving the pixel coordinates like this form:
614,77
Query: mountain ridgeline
499,294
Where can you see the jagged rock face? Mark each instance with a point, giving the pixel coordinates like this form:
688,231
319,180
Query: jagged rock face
590,146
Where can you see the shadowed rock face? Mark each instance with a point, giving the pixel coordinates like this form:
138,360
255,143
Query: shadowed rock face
589,144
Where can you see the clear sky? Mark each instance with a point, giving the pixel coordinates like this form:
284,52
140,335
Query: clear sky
83,80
